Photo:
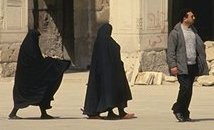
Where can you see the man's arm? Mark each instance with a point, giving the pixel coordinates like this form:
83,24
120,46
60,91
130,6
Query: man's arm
171,52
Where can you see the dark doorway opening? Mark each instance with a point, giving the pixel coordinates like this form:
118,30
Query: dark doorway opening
68,29
204,15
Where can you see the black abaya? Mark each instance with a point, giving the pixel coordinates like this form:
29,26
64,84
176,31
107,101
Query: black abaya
107,84
37,78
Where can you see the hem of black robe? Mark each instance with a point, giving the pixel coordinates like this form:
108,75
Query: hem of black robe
35,103
97,112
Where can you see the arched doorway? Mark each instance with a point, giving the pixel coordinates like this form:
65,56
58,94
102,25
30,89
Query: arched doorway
204,15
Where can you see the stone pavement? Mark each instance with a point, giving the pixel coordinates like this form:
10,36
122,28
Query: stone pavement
151,104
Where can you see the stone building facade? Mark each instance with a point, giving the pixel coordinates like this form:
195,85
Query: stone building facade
69,29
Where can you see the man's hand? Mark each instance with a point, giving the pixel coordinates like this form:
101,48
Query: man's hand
174,71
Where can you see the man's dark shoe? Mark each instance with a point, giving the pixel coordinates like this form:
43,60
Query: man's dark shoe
46,116
188,119
179,117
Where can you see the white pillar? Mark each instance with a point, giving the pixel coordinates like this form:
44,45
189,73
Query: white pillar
139,24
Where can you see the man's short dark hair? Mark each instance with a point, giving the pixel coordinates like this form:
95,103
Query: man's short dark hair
183,14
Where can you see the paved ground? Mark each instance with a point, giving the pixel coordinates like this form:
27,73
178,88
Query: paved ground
151,104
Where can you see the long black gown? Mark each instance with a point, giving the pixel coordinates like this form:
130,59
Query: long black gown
107,84
37,78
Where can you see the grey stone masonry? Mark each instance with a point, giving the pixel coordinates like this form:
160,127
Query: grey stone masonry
154,61
8,59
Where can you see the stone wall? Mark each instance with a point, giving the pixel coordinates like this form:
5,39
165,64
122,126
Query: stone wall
141,29
50,42
153,61
47,16
8,58
13,28
149,76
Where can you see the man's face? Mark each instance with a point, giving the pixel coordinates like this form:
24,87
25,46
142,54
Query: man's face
190,18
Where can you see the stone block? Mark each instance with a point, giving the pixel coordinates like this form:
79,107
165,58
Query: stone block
209,65
211,72
170,78
154,61
206,80
212,63
210,53
158,78
149,78
144,78
209,44
10,53
8,69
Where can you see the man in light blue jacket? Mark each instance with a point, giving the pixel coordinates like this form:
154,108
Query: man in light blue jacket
186,59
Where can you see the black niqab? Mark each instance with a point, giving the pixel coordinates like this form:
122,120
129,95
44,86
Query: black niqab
107,84
37,78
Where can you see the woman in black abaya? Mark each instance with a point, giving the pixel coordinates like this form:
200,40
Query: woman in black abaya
37,78
107,84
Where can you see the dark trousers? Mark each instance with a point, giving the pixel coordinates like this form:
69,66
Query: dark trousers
185,91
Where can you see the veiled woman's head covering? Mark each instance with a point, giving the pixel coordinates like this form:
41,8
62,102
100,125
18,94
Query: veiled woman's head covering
30,51
105,30
33,35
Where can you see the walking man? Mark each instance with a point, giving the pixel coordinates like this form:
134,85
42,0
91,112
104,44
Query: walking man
186,59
